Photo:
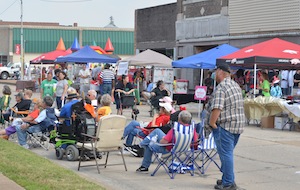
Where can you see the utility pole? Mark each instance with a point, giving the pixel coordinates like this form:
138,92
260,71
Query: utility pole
22,44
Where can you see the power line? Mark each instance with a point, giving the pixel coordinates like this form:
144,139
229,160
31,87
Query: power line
8,7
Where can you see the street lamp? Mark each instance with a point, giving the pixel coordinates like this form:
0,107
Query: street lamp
22,43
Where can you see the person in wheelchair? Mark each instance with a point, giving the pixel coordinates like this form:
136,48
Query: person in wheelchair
5,133
124,87
43,122
158,92
66,110
134,128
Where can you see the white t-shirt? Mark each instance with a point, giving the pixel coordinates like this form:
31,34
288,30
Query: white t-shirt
284,79
291,78
85,73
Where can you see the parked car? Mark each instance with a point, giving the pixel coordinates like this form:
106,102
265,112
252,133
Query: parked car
9,71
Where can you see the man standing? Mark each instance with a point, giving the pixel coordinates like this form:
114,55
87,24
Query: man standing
227,120
108,78
47,86
84,75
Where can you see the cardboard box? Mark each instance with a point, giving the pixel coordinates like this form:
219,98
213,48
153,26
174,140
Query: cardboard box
279,122
267,122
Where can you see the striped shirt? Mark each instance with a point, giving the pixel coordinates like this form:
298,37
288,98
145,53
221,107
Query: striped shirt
107,76
229,99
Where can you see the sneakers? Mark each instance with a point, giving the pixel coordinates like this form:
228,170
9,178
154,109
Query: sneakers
143,170
25,146
219,182
230,187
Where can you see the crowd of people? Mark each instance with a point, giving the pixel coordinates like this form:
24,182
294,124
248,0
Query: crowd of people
225,119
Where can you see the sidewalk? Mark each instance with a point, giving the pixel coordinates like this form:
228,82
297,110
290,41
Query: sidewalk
7,184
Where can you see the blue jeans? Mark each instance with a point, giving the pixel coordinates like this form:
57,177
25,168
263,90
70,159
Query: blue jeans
106,88
226,142
22,135
154,147
131,131
59,102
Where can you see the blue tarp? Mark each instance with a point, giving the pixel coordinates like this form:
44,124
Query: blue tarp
206,59
86,55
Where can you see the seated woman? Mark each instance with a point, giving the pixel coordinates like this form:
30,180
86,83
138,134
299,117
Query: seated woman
104,108
134,128
5,133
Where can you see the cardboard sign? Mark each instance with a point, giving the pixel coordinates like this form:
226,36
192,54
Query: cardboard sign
200,93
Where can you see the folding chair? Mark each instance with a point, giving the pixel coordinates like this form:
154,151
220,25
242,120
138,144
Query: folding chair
39,139
180,152
206,152
108,139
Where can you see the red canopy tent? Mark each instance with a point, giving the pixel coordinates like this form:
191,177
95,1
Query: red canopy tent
275,53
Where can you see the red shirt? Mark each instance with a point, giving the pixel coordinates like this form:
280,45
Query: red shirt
169,138
160,121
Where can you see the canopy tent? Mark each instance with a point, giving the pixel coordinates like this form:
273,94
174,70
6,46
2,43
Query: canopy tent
149,58
274,53
206,59
86,55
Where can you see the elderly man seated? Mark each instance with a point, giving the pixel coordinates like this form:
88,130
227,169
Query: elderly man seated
44,121
92,95
184,118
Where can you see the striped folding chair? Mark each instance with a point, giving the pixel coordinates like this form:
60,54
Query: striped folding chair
207,150
180,152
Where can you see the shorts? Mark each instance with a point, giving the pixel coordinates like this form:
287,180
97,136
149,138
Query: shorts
10,130
147,94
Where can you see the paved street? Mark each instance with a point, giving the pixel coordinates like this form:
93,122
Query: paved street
264,159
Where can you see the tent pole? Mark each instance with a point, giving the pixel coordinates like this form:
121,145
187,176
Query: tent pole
254,80
201,83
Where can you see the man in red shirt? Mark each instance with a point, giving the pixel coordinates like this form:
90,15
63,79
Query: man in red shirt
184,118
159,120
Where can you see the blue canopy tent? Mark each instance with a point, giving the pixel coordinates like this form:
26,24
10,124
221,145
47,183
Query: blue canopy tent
86,55
206,59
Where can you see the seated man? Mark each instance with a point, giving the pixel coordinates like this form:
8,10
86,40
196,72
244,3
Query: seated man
66,110
45,120
21,105
184,118
134,128
92,95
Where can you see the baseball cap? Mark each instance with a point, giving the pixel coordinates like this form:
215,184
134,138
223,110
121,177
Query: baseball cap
20,94
276,81
224,67
166,99
167,106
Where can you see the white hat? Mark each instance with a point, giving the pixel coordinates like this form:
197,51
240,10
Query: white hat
167,106
276,81
166,99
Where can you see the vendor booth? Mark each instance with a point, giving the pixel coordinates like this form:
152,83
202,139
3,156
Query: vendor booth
275,54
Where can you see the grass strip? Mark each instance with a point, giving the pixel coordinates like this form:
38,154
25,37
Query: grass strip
36,173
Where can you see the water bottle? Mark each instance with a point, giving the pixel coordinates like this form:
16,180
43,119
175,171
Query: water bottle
153,140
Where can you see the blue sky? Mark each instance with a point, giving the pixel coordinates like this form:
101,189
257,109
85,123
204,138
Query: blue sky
93,13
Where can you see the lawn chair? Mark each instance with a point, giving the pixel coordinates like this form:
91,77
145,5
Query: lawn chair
207,150
179,154
4,105
108,138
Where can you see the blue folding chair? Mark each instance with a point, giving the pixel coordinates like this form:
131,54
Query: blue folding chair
180,152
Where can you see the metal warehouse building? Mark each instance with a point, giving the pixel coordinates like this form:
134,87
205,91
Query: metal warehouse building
43,37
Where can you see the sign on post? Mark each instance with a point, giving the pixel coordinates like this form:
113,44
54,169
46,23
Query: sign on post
200,93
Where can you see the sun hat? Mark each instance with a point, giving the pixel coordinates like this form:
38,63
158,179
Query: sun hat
72,93
166,99
168,107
